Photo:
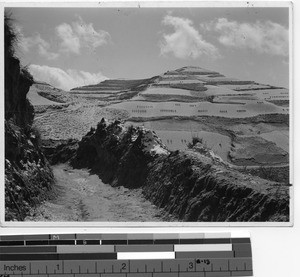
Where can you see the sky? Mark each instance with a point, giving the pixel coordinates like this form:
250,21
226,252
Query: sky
70,47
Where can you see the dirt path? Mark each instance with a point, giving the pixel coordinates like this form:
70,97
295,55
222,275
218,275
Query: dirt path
80,196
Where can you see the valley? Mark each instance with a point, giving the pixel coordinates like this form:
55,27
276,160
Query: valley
243,124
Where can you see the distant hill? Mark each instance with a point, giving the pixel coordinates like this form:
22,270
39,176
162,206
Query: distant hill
44,94
186,84
189,78
244,122
114,85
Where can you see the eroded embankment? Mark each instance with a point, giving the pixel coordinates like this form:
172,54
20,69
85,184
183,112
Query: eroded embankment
197,188
192,185
28,176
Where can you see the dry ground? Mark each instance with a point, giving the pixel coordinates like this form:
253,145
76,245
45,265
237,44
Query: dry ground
81,196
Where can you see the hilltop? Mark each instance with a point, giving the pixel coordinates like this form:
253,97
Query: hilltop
191,80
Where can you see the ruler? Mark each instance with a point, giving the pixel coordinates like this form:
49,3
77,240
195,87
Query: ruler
126,255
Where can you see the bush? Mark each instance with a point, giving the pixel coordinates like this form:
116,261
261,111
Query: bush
195,140
131,130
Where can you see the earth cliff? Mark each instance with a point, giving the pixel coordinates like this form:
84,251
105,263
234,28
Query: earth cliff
28,176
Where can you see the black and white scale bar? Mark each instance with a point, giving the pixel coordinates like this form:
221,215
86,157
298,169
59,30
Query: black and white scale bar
113,255
163,255
51,257
172,238
241,249
115,248
225,266
180,250
121,242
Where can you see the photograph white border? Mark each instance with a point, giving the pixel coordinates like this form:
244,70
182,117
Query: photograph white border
153,4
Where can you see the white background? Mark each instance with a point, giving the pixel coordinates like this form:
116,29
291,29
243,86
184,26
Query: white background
276,250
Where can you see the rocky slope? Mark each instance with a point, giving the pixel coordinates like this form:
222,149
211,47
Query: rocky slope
193,185
59,151
28,176
110,148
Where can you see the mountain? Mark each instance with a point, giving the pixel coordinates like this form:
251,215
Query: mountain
196,84
202,146
244,122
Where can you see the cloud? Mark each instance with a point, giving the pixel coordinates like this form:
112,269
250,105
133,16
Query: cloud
185,41
44,52
264,37
35,42
66,80
71,39
80,35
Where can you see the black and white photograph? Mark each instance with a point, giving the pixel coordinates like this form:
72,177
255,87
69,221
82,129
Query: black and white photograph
144,114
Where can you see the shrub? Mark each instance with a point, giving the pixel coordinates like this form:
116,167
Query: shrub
195,140
131,129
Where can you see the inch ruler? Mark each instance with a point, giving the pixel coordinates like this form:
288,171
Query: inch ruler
126,255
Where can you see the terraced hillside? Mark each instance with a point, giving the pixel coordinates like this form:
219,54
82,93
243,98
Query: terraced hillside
232,136
243,122
195,102
117,89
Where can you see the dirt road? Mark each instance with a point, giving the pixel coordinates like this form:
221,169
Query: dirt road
80,196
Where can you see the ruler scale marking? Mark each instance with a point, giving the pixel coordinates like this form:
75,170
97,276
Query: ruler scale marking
126,255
